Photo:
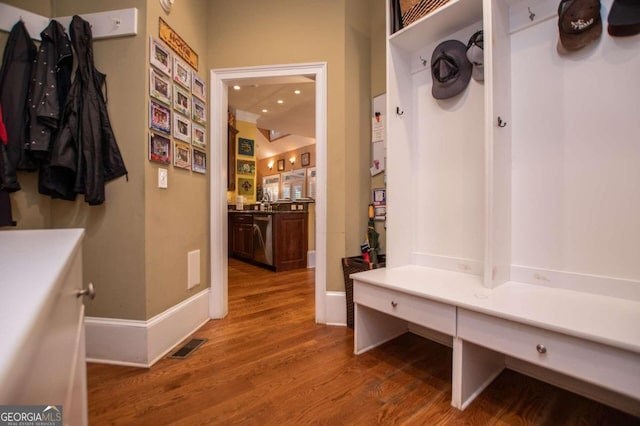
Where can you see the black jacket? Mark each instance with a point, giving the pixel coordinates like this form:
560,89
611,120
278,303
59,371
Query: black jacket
17,62
86,145
47,96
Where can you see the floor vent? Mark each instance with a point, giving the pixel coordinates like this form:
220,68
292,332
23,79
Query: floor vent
187,349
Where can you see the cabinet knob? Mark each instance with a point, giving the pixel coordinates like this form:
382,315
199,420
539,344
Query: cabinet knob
541,348
89,291
394,303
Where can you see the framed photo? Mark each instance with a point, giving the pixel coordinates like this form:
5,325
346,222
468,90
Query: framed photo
181,128
245,147
159,117
160,56
379,197
198,111
281,165
181,100
198,136
159,86
305,158
245,186
181,72
181,155
159,148
246,167
199,161
198,88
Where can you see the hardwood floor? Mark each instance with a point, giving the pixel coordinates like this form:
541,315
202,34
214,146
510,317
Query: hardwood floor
268,363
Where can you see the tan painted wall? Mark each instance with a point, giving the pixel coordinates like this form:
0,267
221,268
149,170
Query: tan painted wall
331,31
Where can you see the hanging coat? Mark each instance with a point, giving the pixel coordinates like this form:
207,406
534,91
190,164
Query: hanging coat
17,61
86,145
47,96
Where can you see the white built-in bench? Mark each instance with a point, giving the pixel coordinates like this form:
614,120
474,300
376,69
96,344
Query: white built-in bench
587,343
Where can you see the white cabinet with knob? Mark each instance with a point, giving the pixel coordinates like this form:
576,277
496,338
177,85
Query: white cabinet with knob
515,202
42,357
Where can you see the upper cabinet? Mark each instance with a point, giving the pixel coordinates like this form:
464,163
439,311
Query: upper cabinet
531,175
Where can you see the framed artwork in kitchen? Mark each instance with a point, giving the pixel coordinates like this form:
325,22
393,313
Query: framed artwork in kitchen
245,147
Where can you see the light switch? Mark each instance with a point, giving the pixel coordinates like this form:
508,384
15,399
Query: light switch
163,180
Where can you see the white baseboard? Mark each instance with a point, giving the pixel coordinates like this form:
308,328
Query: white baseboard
311,259
336,305
142,343
595,284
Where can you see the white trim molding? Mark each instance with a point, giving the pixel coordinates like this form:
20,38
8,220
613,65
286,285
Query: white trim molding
336,308
142,343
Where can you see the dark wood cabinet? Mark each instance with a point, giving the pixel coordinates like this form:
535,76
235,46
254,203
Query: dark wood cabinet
231,158
291,241
241,235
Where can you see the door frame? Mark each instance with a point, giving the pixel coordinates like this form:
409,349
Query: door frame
218,295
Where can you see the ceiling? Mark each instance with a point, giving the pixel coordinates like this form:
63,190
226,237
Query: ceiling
294,116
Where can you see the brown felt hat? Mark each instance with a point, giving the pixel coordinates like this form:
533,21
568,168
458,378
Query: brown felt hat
579,23
624,18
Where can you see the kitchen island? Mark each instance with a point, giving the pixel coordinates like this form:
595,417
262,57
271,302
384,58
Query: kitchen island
276,239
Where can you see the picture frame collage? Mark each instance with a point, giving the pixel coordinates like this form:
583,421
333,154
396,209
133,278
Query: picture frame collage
177,110
246,168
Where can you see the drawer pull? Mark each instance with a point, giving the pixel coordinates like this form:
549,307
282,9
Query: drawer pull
89,291
541,348
394,303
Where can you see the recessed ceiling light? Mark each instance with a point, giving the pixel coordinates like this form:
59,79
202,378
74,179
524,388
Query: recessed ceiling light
265,110
280,101
236,87
297,92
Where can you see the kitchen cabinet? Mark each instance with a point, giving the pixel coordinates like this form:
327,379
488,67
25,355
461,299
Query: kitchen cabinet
281,245
231,158
241,235
290,236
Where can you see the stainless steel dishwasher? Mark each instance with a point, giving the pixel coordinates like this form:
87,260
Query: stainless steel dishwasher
263,238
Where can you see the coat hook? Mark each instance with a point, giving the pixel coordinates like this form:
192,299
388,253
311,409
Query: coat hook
501,123
424,61
398,112
531,14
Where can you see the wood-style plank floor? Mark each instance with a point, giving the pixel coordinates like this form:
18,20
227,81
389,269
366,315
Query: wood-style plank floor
268,363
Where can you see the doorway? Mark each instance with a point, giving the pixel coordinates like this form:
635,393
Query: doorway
220,78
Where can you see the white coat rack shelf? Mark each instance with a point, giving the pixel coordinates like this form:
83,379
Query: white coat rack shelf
113,23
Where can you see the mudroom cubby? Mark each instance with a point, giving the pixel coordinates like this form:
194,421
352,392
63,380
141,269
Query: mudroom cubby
516,203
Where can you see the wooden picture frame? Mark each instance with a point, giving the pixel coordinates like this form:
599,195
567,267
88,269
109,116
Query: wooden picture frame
159,148
181,155
305,159
245,147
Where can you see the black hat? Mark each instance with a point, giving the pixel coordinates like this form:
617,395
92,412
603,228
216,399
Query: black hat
579,23
624,18
450,69
475,55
